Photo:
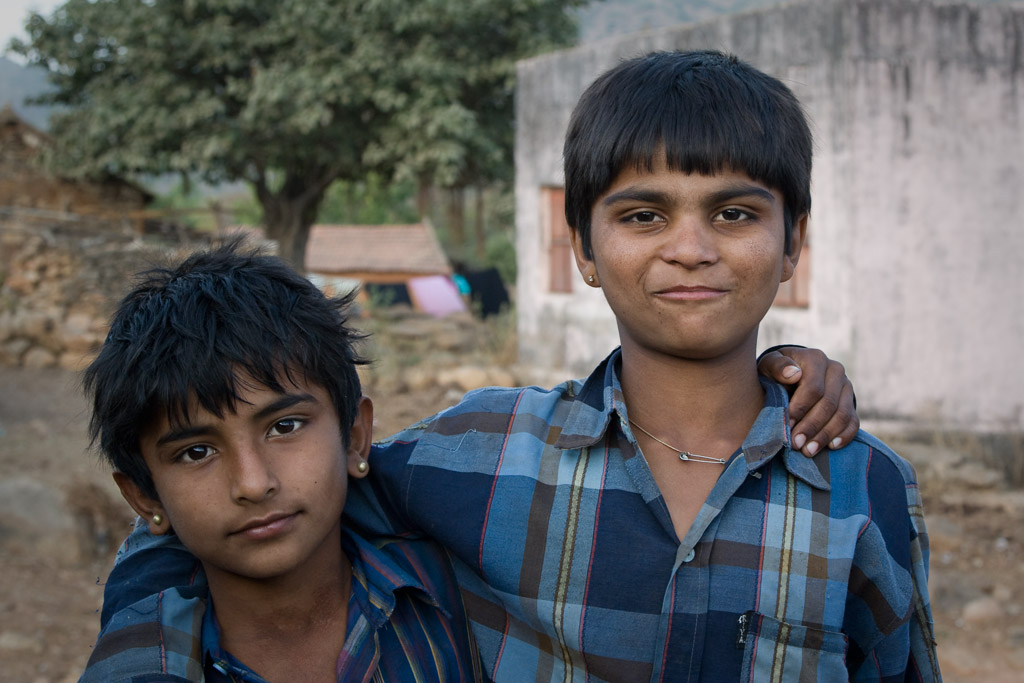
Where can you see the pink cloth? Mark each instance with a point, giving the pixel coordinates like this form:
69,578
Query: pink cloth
436,295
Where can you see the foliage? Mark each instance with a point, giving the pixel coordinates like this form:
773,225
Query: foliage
290,95
371,201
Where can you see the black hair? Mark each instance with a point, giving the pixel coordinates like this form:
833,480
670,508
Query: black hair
196,331
708,111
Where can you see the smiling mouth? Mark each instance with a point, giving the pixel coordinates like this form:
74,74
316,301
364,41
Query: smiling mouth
267,527
684,293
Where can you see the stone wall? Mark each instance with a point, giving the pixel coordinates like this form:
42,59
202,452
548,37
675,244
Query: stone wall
59,282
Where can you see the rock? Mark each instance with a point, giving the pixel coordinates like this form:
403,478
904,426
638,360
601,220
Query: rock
1002,594
77,333
974,475
76,361
6,326
982,611
418,378
38,357
15,642
466,377
12,351
34,325
35,520
1010,503
501,378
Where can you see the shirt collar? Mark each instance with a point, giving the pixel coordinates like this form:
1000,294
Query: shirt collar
600,397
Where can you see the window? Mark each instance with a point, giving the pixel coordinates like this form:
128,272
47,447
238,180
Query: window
561,264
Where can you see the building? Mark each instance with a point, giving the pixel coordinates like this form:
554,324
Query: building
912,275
28,189
392,264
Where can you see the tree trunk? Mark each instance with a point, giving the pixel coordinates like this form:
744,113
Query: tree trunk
287,221
478,226
423,198
456,220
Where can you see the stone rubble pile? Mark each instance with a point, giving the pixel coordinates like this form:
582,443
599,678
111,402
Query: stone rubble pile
57,290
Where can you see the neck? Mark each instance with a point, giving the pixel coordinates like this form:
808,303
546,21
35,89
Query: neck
700,406
254,613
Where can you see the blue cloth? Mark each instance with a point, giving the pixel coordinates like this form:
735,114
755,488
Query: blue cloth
570,567
406,620
794,569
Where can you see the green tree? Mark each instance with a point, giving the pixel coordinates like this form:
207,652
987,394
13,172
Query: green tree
290,95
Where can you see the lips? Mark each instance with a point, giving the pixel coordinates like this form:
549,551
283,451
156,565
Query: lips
268,526
690,293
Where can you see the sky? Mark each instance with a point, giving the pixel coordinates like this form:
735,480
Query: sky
13,14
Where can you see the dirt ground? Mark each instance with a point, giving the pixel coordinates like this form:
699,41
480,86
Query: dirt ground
49,608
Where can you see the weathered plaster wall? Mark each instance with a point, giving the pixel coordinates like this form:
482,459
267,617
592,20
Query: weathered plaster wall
918,113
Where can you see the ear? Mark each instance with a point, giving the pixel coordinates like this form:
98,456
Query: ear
586,266
796,243
360,437
147,508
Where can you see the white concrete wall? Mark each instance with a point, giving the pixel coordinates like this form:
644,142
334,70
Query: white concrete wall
917,242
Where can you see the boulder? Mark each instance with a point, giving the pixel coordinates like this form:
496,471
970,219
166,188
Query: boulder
37,357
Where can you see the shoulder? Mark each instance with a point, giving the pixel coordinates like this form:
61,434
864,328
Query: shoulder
868,461
489,414
884,456
152,639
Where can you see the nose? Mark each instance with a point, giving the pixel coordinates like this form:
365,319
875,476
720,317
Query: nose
690,242
252,477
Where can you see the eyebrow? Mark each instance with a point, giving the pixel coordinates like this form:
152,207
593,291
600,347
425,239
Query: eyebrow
192,431
635,195
717,197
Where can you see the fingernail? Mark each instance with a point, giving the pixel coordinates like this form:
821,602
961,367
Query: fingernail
790,370
799,441
835,443
812,447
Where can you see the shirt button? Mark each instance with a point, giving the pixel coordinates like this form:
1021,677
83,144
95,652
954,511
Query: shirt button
689,556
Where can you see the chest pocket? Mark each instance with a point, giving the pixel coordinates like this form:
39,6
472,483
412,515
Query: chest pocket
777,652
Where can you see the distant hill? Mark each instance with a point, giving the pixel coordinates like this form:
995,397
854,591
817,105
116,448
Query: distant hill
19,82
604,18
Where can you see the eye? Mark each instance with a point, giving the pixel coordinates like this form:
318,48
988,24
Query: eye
734,215
642,217
286,426
195,453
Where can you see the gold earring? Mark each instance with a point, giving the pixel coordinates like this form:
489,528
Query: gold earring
362,467
157,519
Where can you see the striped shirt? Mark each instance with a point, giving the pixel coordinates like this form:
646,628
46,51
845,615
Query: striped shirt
795,569
406,620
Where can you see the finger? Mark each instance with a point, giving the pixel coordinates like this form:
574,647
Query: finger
812,387
810,417
779,367
828,424
838,433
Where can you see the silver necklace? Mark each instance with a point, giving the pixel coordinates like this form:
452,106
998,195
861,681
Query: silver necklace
685,456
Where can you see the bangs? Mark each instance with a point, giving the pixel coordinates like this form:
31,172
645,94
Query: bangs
702,124
705,111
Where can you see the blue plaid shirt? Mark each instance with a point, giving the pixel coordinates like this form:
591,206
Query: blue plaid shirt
406,620
570,568
794,569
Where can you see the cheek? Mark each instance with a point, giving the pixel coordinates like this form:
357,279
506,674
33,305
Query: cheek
766,259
